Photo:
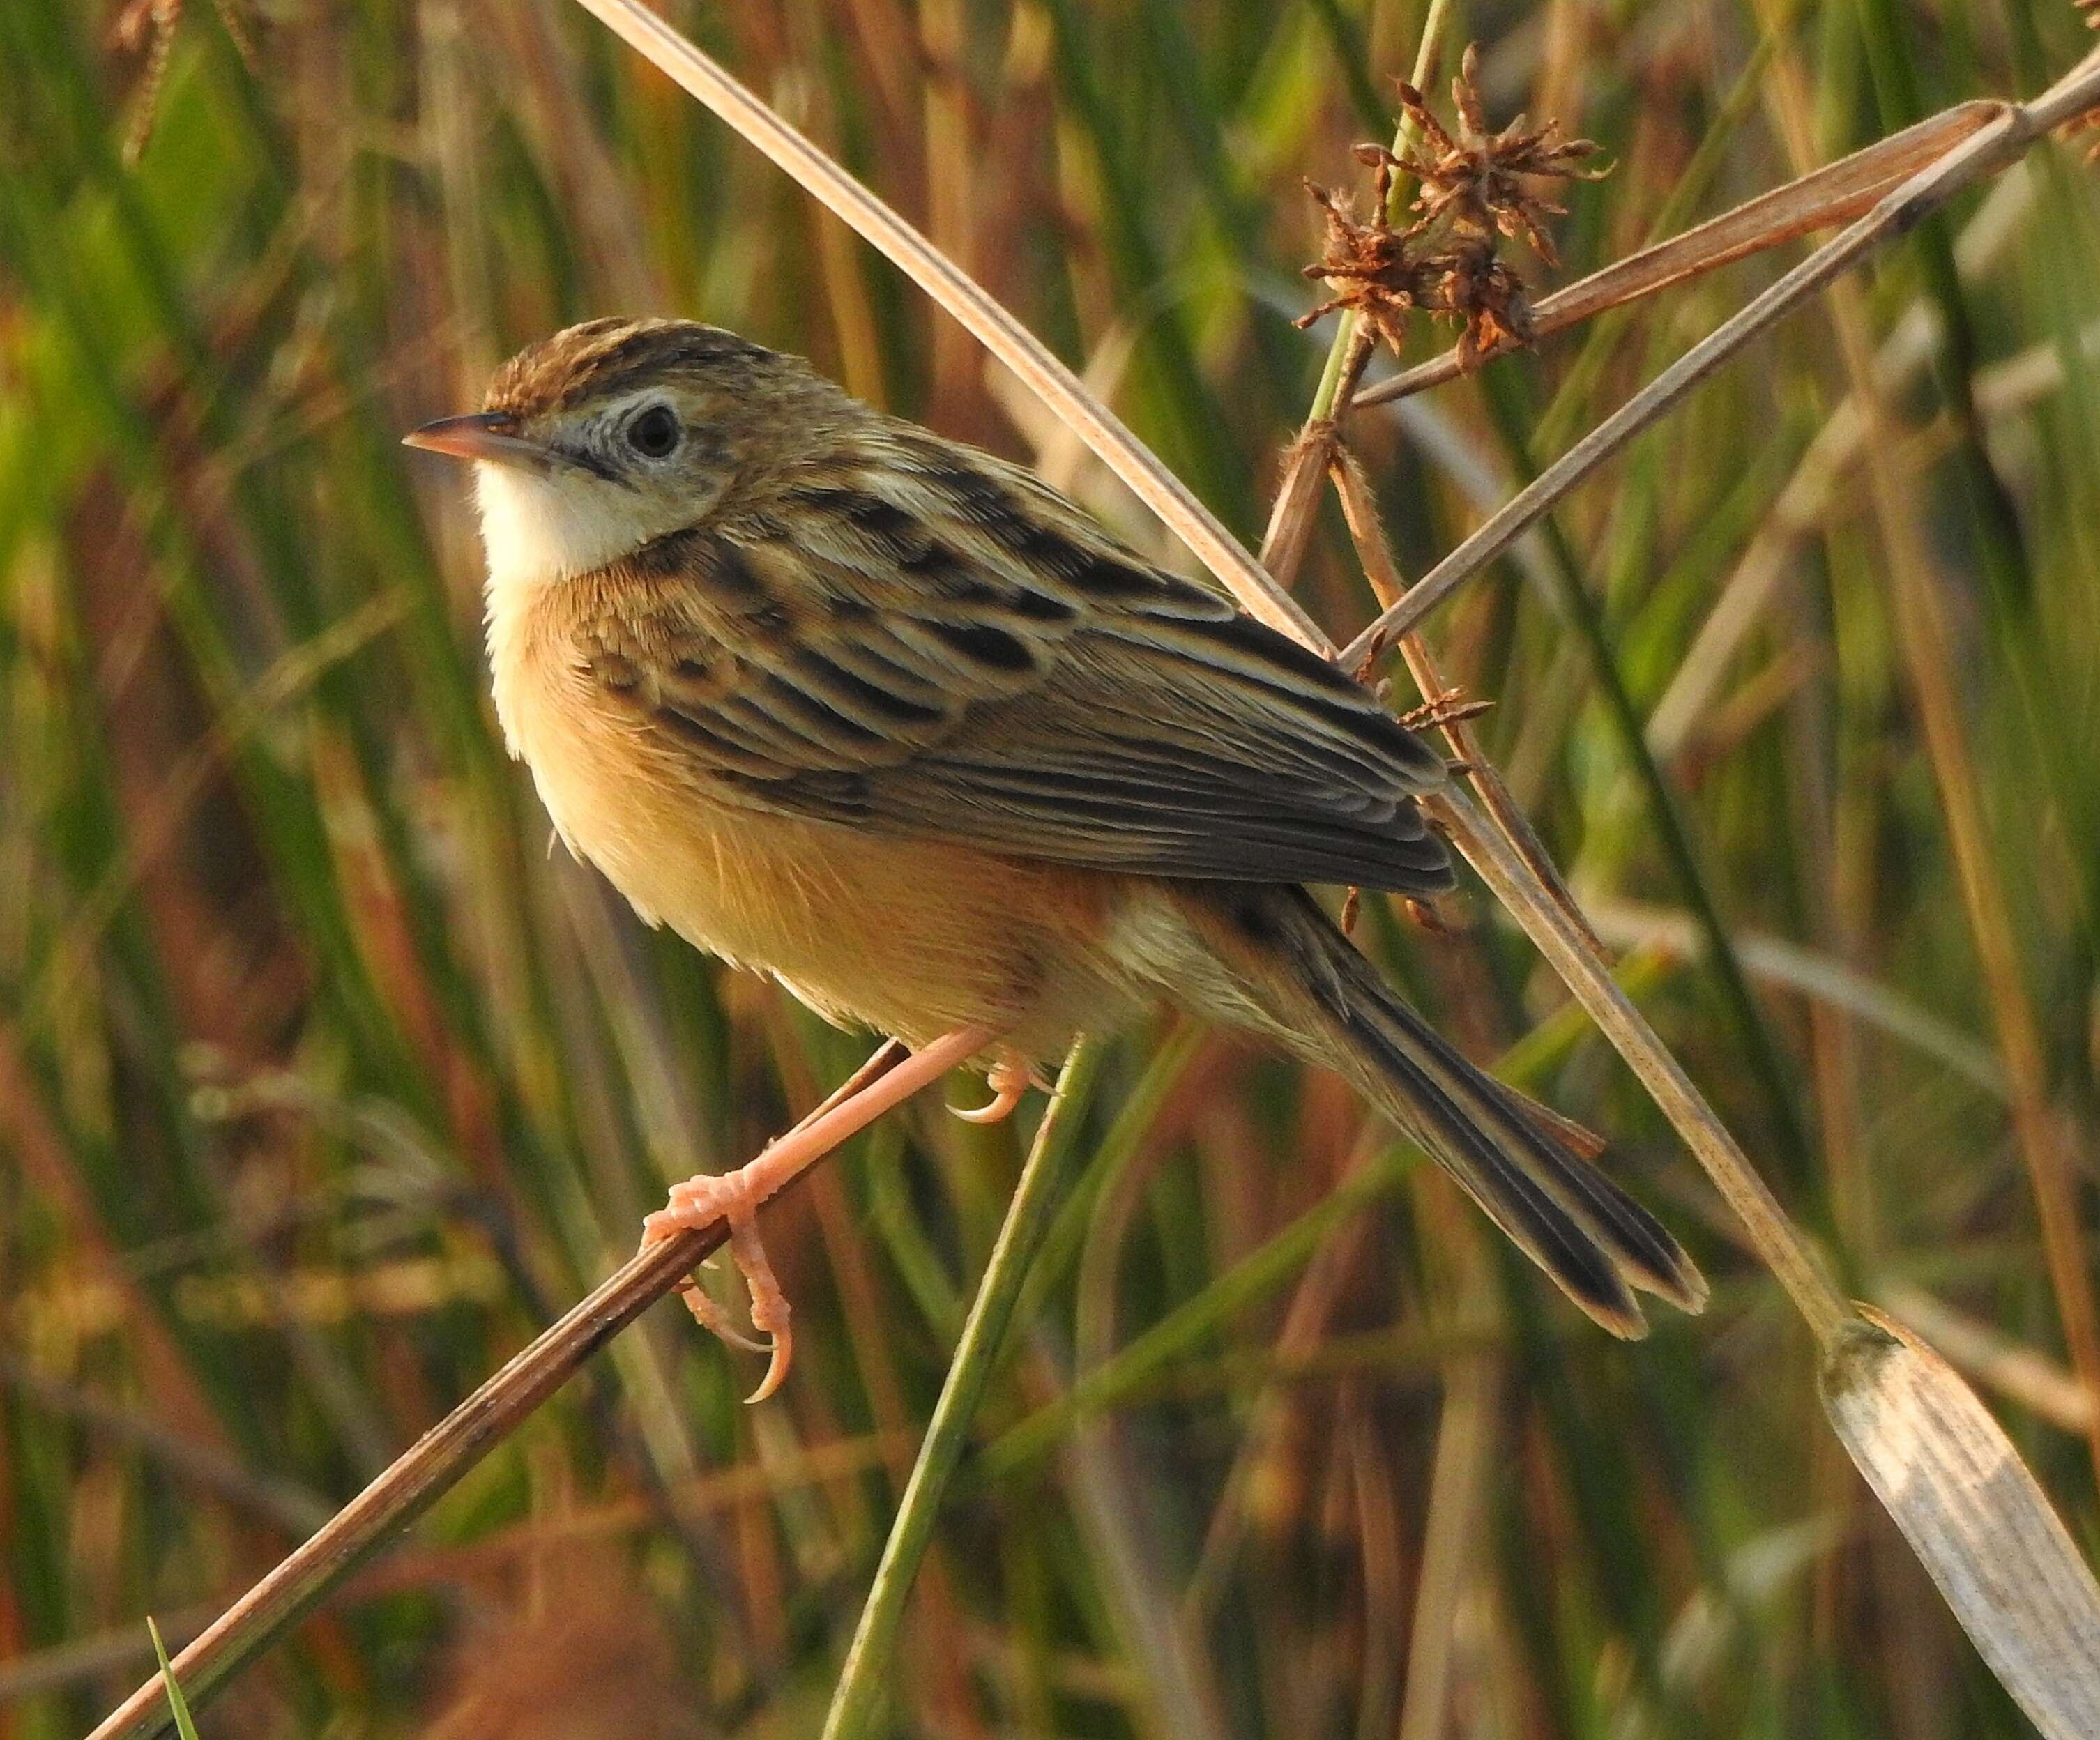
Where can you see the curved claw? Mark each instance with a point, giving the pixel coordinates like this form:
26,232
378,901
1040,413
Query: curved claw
698,1202
776,1370
1009,1080
891,1076
708,1315
1001,1108
769,1313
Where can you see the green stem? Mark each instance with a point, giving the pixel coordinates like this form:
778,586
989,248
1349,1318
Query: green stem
860,1687
1255,1275
1345,329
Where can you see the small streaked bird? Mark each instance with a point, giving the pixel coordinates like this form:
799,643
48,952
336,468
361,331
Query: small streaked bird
891,720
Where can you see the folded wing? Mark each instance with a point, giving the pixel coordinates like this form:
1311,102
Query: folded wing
952,652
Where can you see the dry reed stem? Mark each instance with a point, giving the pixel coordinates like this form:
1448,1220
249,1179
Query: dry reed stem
1983,153
962,297
416,1479
1360,511
1297,504
1809,495
1837,193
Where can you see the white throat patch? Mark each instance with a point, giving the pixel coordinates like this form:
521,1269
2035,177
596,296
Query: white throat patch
538,530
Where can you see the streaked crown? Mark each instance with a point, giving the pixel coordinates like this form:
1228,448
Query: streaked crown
603,359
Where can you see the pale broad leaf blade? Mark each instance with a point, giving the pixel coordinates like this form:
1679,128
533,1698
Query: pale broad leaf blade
1971,1511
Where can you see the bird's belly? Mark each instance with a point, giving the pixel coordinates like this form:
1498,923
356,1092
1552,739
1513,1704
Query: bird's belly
912,937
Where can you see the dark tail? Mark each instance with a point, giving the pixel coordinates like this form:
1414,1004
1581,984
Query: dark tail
1328,1005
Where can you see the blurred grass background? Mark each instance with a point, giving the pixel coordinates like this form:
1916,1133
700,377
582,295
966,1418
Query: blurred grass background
323,1084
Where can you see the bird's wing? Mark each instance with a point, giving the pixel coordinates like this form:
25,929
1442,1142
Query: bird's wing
953,652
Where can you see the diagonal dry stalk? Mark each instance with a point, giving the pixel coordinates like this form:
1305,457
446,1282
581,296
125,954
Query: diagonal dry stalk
1981,153
419,1477
1836,193
412,1483
1948,1475
1926,1472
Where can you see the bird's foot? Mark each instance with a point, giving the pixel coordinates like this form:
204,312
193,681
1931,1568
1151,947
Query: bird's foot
734,1197
1009,1079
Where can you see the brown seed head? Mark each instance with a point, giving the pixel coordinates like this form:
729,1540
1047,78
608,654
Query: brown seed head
1475,189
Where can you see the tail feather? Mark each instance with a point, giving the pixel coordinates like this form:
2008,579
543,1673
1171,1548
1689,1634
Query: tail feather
1594,1241
1655,1262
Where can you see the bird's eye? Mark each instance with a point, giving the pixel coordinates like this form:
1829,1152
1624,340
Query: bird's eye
653,433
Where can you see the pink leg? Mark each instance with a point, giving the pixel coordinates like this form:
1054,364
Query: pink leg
1009,1079
734,1197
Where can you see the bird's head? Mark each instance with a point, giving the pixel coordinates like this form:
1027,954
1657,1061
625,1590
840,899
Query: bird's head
607,436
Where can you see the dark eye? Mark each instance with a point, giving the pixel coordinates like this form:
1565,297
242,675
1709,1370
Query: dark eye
653,433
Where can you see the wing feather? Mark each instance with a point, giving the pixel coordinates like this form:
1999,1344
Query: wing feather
948,650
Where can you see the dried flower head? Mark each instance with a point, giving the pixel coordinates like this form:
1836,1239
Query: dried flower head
1476,180
1374,268
1447,263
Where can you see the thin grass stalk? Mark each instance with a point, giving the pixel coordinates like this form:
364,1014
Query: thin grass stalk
412,1483
1984,152
965,298
858,1694
435,1463
1836,193
1352,343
